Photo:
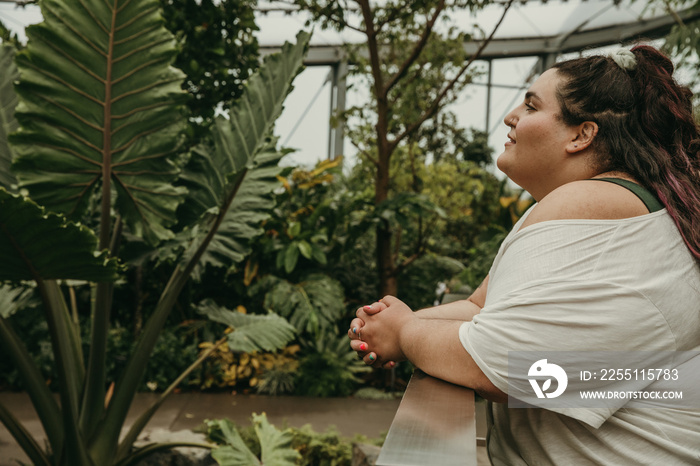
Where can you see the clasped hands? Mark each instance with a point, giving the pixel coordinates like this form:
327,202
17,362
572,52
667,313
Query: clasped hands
377,333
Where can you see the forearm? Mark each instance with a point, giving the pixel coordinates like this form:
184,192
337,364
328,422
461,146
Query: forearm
433,345
463,310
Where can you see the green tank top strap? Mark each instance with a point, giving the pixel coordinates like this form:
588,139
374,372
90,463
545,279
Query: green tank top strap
649,199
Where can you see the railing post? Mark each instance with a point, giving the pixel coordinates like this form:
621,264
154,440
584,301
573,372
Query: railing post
435,425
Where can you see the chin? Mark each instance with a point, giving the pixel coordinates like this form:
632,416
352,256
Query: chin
502,164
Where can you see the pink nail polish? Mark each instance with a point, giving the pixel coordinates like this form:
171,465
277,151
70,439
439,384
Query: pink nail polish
367,308
392,364
363,347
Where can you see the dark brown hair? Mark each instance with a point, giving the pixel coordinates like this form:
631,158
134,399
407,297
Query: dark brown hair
646,128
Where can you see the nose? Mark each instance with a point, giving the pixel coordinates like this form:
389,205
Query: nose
510,119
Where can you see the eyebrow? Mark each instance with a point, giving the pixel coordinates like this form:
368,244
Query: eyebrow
531,94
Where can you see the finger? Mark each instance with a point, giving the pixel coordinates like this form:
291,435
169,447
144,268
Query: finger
370,358
389,300
359,346
355,327
374,308
389,365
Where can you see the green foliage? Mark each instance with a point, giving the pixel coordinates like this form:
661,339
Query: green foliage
250,208
371,393
101,127
322,448
683,42
98,108
8,123
9,38
313,305
35,245
217,50
420,280
330,369
275,445
250,332
173,352
304,219
411,72
270,373
327,448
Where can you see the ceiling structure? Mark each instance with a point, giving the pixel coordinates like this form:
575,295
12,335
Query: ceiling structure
538,30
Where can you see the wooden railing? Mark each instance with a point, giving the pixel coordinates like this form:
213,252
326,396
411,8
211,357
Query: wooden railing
434,425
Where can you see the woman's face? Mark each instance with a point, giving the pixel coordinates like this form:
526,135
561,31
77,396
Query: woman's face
535,154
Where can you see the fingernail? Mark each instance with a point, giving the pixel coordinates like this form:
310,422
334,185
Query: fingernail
392,364
367,308
371,357
354,330
363,347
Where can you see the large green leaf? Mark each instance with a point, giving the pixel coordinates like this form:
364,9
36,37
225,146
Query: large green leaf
98,109
251,123
36,245
275,445
251,332
8,123
236,141
230,176
243,220
234,452
312,305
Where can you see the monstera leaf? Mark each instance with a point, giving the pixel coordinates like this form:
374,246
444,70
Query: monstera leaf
98,110
8,123
251,332
275,445
313,305
38,246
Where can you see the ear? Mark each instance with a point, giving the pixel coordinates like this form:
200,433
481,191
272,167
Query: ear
583,136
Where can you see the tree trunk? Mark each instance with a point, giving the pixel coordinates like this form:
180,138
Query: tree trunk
388,284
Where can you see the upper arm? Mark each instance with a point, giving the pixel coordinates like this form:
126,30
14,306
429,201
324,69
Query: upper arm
587,199
479,295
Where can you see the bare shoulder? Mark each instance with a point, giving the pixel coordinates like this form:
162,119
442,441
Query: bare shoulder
587,199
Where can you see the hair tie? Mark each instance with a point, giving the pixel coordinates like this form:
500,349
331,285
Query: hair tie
624,59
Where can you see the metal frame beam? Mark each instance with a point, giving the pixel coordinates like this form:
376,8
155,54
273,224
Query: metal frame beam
546,48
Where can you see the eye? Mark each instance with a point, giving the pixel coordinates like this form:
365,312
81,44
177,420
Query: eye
529,107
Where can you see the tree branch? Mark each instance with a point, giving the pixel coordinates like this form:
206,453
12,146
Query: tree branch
430,111
389,19
408,261
364,153
368,17
417,49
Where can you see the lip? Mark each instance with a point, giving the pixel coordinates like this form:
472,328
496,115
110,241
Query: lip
510,141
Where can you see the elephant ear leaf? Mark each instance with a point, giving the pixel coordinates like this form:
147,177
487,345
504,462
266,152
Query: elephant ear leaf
231,176
243,220
214,171
8,123
35,245
99,109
